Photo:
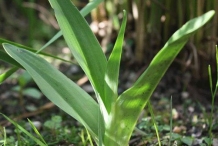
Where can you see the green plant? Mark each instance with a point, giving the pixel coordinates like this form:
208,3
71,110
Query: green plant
153,120
213,94
54,123
55,132
87,139
3,136
111,121
21,140
171,120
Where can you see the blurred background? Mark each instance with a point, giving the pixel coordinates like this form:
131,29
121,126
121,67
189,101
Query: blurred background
150,24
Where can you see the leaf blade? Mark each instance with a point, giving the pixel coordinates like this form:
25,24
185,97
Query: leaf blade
132,101
80,40
58,88
7,74
113,65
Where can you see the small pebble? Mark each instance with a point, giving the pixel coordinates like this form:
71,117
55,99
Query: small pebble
37,124
185,94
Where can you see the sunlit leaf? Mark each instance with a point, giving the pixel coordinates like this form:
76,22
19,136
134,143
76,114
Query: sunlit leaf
113,67
7,74
130,104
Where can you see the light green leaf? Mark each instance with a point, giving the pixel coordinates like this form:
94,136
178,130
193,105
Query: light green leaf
58,88
130,104
113,66
7,74
82,42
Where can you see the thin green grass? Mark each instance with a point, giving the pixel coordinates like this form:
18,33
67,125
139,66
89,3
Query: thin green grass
89,138
171,120
36,131
20,130
154,122
213,94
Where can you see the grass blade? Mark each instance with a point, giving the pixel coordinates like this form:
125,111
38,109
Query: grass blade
171,120
5,137
154,122
25,131
210,79
90,6
113,66
7,74
36,131
89,138
58,88
54,38
213,93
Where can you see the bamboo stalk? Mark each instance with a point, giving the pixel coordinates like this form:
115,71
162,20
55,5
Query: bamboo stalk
140,32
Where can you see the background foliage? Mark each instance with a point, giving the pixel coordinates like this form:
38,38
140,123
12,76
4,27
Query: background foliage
150,24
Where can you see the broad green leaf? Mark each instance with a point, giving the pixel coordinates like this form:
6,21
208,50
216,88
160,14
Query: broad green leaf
7,74
87,9
39,142
113,66
58,88
82,42
130,104
85,48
